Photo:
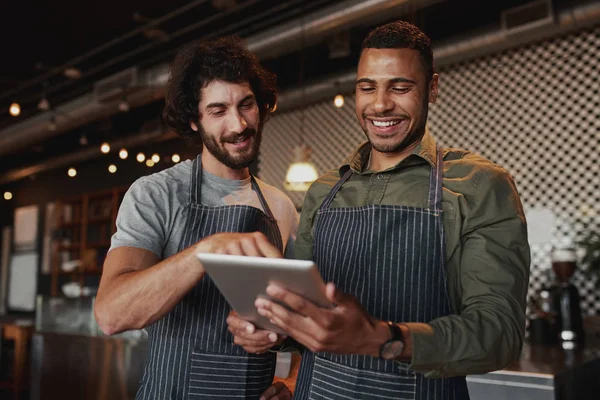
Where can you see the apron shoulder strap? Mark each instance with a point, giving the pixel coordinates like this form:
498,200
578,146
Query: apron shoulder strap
196,181
435,181
261,198
327,202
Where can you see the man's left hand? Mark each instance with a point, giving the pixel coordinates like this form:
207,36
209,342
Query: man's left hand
277,391
253,340
346,328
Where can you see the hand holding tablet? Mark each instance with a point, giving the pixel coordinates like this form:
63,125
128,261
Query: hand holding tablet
241,279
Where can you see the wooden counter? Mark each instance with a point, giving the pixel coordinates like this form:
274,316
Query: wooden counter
21,333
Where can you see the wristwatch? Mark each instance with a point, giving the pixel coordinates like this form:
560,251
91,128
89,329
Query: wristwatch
394,346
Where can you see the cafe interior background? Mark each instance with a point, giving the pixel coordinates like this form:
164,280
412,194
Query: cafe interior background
82,86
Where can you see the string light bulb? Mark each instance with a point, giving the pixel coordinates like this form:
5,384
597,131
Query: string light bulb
105,148
150,163
141,157
14,109
123,154
175,158
155,158
72,172
338,101
112,168
7,195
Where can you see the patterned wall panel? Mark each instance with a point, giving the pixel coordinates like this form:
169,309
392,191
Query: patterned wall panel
534,110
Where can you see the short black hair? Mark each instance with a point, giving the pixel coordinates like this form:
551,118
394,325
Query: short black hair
198,64
402,35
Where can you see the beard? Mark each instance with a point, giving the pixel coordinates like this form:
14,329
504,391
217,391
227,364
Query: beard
238,161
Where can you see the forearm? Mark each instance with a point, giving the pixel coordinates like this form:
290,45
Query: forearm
137,298
477,342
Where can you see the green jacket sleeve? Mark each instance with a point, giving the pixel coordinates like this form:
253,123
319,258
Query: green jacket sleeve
487,332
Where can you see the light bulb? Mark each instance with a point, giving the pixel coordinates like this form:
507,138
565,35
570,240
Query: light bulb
15,109
112,168
124,106
338,101
72,172
155,158
123,154
105,148
175,158
150,163
7,195
140,157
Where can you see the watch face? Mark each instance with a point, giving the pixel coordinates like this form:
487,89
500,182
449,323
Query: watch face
392,350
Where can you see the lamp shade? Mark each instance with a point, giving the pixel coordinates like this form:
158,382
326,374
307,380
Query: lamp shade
301,173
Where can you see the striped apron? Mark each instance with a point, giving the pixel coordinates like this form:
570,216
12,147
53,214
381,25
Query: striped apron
392,258
191,354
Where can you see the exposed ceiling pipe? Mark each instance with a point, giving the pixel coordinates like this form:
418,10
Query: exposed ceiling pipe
495,40
466,48
277,41
305,31
59,70
455,50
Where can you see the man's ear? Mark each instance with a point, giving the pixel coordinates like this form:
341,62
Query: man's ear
433,88
193,126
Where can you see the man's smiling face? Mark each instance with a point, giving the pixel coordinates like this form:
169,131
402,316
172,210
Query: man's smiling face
392,97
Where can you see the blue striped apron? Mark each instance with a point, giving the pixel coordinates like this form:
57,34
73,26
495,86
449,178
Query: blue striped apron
191,354
392,258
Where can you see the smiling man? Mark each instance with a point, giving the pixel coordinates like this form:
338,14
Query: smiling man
219,93
424,248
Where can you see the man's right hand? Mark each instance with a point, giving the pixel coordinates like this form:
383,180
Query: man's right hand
245,334
253,244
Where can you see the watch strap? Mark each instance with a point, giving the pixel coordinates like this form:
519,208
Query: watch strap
395,335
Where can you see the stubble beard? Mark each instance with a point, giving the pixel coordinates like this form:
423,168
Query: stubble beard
239,161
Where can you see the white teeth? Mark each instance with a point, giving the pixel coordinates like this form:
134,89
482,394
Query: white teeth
384,124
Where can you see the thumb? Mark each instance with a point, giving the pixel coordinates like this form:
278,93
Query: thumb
333,294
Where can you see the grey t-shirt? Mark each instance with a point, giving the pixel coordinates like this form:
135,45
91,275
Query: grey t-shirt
153,212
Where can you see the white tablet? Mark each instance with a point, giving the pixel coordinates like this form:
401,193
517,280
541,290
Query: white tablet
241,279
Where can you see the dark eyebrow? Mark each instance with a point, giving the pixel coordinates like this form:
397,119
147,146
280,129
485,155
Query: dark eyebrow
402,80
216,105
365,80
393,80
245,99
223,105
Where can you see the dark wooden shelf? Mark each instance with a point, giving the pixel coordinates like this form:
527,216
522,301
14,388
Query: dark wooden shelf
72,246
86,271
70,224
94,216
103,243
92,220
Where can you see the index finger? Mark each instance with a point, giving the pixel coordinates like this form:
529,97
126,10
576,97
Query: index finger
266,248
236,322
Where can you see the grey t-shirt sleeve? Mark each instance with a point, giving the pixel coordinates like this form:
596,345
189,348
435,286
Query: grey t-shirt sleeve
142,218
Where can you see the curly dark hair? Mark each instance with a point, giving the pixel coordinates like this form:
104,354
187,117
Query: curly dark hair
203,61
402,35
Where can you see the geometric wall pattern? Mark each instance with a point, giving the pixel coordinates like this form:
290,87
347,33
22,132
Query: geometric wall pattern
535,110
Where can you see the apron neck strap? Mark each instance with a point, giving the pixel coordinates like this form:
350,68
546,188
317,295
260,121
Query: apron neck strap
333,192
435,181
196,180
261,198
